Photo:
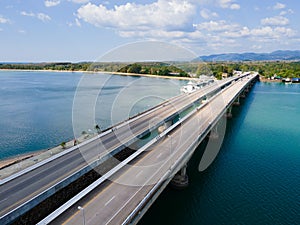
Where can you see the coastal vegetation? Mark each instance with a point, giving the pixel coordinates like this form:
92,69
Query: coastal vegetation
63,144
267,69
162,69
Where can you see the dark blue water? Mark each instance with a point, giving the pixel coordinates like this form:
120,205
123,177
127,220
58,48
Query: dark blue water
36,108
256,176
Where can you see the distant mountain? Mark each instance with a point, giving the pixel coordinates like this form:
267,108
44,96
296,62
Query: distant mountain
277,55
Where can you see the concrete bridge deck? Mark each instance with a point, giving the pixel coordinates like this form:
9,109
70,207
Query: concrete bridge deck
132,189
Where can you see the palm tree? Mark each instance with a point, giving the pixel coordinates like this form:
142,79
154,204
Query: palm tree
63,145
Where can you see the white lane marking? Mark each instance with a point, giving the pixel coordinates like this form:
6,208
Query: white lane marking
3,200
138,174
110,200
159,155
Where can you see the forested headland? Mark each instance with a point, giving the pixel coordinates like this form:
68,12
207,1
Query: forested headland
180,69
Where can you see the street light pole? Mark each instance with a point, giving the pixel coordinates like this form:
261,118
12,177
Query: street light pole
82,209
171,143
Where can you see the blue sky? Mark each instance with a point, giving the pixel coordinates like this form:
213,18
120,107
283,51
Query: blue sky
79,30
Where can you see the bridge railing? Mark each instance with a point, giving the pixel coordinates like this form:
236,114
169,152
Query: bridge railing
106,176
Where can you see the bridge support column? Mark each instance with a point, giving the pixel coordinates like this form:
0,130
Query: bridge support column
181,179
237,101
228,114
243,95
214,132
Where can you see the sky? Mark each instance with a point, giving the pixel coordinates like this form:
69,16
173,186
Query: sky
84,30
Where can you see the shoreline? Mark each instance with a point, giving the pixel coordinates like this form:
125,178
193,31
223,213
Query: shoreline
103,72
6,162
13,164
262,79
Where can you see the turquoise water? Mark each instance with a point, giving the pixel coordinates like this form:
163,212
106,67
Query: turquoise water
36,108
256,176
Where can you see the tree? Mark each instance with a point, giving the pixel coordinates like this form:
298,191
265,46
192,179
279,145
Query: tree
97,127
134,68
63,145
204,69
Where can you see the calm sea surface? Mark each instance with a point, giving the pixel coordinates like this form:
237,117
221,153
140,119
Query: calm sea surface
256,176
36,108
254,180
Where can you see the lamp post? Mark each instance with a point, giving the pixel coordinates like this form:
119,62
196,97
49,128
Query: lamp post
82,209
171,140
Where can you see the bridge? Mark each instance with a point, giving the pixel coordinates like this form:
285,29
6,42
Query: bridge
124,193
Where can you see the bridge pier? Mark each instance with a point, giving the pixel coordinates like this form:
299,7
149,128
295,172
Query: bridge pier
228,113
214,132
237,101
243,94
181,179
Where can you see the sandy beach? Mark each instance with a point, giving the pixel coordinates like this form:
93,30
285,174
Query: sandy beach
148,75
105,72
263,79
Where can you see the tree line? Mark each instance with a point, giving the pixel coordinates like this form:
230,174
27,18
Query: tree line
267,69
182,69
162,69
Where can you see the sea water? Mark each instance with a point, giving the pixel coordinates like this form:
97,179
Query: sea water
36,108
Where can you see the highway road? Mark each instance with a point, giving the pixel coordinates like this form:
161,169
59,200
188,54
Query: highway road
23,188
113,202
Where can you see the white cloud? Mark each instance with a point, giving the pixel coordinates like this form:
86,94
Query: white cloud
273,32
275,21
243,32
264,31
3,20
22,31
256,47
169,15
235,6
156,34
76,23
172,21
41,16
228,4
23,13
79,1
207,14
279,6
285,12
49,3
217,26
288,32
